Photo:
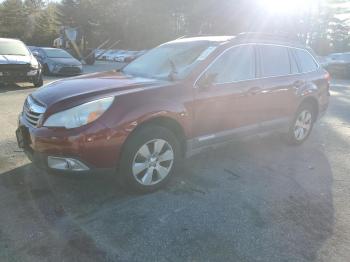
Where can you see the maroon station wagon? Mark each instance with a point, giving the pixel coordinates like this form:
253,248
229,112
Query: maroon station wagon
177,99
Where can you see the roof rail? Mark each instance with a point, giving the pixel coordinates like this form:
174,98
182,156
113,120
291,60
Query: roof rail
267,36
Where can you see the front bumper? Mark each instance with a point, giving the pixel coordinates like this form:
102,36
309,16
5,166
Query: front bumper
94,146
25,76
66,70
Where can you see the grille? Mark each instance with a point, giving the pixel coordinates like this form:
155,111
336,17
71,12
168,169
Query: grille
15,67
70,70
32,111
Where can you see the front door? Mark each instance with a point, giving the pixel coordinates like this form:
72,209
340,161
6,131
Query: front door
227,97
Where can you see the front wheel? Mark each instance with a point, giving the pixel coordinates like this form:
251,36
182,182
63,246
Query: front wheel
46,70
149,158
302,125
38,82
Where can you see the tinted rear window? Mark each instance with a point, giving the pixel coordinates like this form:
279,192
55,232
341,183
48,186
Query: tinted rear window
274,61
306,61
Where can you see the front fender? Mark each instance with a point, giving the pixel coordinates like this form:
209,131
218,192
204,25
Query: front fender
135,116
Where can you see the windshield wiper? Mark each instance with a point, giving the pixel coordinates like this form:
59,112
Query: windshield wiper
173,72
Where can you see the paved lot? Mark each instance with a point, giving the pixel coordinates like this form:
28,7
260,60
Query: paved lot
258,200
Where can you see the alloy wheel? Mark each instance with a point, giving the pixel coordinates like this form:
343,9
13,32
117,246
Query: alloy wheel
303,125
153,161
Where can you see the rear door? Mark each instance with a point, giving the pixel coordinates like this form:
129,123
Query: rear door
280,77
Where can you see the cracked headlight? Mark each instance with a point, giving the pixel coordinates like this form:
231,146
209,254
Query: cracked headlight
79,115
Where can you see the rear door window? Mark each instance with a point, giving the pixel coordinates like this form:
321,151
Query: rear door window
306,61
236,64
274,61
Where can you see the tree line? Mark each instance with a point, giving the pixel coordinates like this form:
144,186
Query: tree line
140,24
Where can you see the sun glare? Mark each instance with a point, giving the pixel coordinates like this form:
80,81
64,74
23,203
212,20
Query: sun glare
287,6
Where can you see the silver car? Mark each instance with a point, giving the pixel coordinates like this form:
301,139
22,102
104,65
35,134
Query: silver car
57,61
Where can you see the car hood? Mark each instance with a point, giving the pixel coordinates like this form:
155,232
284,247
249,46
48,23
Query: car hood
77,90
65,61
14,59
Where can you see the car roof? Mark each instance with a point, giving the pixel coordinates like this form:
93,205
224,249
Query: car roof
259,38
9,39
49,48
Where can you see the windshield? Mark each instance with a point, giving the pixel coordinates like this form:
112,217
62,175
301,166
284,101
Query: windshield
13,47
57,53
173,58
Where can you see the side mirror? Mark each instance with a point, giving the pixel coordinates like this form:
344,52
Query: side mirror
207,80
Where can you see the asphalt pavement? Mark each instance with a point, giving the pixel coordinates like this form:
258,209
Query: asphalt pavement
257,200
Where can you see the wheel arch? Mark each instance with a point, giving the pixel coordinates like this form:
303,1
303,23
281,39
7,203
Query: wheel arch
310,100
167,122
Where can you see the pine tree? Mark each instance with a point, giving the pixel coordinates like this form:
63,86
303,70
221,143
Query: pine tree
46,26
13,19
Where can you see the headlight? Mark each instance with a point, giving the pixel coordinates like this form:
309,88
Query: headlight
54,66
79,115
32,72
34,65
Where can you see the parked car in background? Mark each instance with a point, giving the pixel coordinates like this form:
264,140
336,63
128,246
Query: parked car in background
177,99
121,56
17,63
323,60
98,53
109,55
57,61
338,65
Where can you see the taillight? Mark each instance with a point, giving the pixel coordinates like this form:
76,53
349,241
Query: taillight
328,77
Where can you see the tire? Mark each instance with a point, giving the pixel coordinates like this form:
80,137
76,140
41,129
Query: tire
46,70
302,124
39,81
143,170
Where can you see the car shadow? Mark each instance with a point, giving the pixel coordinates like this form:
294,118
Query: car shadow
15,87
248,200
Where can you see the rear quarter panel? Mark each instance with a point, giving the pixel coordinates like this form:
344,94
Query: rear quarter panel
317,86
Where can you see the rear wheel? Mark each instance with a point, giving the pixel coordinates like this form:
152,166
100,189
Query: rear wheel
149,158
302,124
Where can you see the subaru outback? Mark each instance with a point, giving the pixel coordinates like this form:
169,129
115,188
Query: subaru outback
177,99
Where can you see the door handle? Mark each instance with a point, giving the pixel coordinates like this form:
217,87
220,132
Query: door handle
254,90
